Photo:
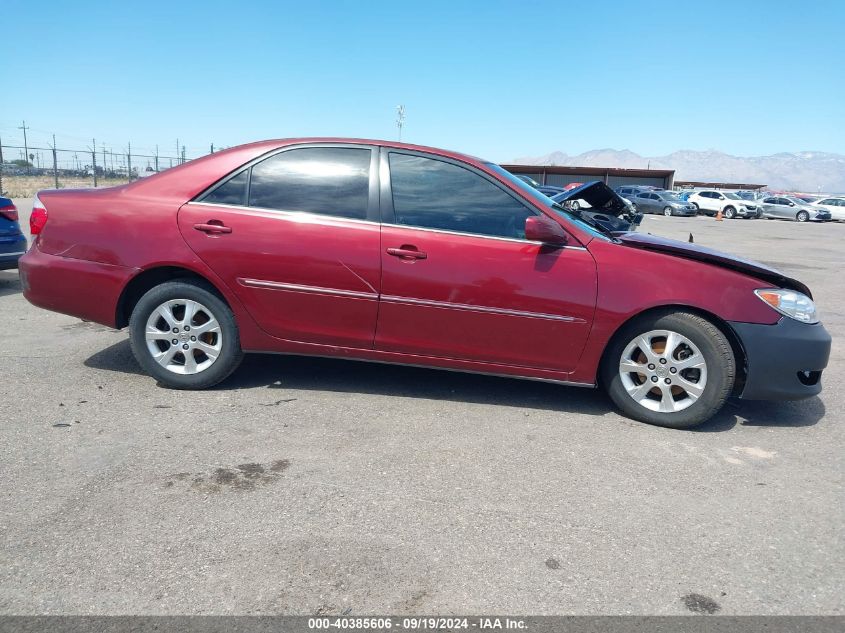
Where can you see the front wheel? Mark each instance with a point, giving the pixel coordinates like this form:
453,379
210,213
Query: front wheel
184,335
674,369
730,213
667,211
802,216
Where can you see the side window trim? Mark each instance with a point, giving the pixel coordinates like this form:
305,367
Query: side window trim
388,215
373,193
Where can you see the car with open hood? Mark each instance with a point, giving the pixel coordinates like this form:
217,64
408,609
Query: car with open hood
389,252
600,204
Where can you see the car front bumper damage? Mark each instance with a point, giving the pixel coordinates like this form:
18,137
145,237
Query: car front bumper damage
784,361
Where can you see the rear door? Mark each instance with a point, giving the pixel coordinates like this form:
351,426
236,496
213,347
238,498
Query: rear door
778,208
459,279
710,201
644,202
296,237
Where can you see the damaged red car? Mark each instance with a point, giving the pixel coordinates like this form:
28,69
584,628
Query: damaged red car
389,252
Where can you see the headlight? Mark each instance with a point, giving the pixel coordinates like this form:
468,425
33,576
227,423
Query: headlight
793,304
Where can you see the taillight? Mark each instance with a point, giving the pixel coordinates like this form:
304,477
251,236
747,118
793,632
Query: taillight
38,217
10,212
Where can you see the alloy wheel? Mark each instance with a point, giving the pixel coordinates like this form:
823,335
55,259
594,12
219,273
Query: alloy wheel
667,211
184,336
663,371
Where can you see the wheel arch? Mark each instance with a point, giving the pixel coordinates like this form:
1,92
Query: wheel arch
723,326
148,279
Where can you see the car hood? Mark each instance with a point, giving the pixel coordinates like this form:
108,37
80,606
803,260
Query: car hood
599,196
688,250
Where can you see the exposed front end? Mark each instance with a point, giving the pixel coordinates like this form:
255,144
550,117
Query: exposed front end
785,360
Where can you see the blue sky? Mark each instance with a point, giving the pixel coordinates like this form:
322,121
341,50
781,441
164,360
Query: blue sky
498,79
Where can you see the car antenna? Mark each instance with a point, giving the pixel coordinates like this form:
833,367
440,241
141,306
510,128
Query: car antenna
690,240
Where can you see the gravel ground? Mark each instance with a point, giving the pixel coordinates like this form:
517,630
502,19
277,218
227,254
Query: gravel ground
307,486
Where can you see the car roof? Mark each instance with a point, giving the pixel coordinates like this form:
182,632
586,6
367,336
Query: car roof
282,142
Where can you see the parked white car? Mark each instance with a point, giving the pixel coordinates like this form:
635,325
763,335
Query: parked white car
836,206
710,202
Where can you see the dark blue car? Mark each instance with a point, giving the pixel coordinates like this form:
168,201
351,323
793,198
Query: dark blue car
12,240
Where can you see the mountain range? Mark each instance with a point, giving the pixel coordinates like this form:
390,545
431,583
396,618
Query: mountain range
808,172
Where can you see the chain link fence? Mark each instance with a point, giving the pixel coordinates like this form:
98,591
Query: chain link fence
26,170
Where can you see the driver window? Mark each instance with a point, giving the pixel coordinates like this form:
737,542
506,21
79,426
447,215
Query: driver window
434,194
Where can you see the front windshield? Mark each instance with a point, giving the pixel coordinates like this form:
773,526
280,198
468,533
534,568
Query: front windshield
797,200
551,204
731,196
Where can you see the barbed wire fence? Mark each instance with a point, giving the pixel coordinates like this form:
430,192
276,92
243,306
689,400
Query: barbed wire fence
25,169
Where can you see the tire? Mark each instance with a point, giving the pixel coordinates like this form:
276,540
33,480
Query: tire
730,213
684,403
163,308
802,216
697,210
667,211
576,206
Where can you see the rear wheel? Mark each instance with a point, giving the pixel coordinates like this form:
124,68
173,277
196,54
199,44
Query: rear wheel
667,211
674,369
184,335
802,216
730,213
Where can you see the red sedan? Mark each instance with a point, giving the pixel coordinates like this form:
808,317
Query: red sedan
389,252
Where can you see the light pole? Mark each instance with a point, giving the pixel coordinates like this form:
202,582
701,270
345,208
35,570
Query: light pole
400,119
24,127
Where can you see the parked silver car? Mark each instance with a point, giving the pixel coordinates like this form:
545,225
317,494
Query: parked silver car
788,208
666,202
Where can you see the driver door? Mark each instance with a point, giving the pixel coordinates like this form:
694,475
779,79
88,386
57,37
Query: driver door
459,279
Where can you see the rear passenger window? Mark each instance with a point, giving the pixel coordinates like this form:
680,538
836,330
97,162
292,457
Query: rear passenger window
438,195
233,191
325,180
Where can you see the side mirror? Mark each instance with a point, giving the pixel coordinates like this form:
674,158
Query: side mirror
543,229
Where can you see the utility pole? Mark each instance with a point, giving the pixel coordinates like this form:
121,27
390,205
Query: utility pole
400,119
156,158
129,160
212,148
25,145
177,151
105,164
55,165
183,155
94,158
1,166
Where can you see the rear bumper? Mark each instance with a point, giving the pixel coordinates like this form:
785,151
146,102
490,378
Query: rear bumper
80,288
11,249
784,360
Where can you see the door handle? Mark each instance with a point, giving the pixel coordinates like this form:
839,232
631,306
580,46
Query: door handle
213,227
406,252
